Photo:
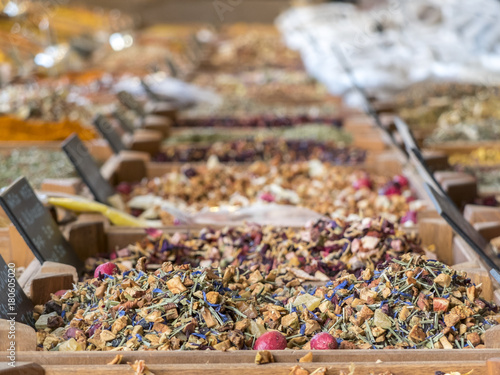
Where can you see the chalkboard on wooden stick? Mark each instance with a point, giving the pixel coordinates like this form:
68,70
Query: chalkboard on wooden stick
174,71
36,225
131,103
87,168
149,91
14,304
109,133
125,123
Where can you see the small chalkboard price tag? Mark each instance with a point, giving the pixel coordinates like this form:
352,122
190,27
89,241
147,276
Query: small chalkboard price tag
36,225
131,103
87,168
151,94
174,71
109,133
14,304
124,122
463,228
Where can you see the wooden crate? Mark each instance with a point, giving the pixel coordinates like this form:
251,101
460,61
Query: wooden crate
133,166
43,280
462,147
130,166
94,233
52,276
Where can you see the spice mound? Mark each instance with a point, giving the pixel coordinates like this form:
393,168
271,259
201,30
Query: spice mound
412,303
14,129
35,164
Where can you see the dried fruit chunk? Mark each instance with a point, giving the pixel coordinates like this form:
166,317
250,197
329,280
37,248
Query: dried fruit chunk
440,304
290,320
70,346
417,334
263,357
297,370
175,285
310,302
443,279
381,320
140,368
117,360
307,358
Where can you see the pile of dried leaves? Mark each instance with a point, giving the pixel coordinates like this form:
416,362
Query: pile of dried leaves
320,187
411,303
316,253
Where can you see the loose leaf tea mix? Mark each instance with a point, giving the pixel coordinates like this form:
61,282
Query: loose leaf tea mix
411,303
277,150
318,252
321,187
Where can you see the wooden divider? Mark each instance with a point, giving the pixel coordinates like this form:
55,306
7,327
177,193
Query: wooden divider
148,141
242,362
462,147
160,124
20,254
479,214
21,368
400,368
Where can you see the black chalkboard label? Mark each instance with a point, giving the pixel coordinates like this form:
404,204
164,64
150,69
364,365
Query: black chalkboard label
87,168
14,304
463,228
109,133
36,225
131,103
174,72
124,122
151,94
